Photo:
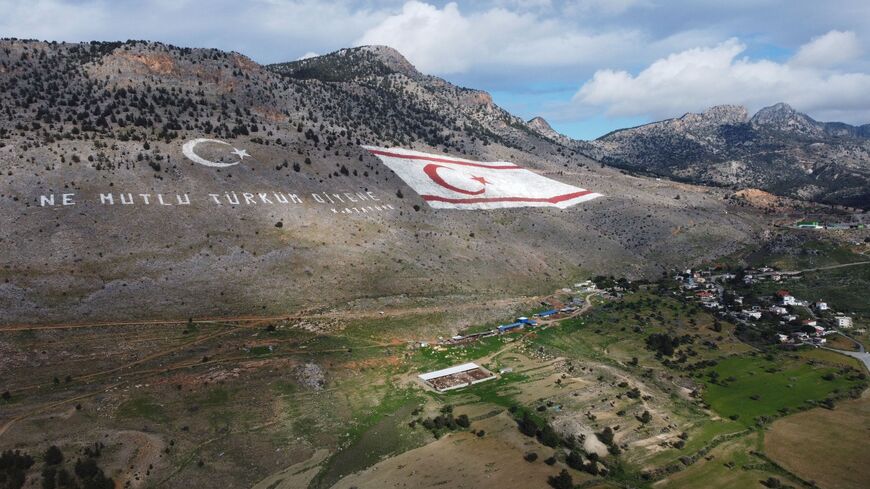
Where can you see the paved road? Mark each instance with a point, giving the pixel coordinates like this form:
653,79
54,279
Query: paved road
829,267
861,354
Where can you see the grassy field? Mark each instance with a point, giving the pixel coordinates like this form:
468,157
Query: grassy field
756,386
729,465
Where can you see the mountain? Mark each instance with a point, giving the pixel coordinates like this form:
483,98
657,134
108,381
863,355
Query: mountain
778,150
94,178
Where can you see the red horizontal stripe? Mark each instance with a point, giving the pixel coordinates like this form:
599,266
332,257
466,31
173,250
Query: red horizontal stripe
480,200
444,160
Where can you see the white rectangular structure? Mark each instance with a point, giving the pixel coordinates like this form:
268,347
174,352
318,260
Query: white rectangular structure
449,371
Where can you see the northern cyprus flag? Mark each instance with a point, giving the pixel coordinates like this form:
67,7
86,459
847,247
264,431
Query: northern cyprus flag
454,183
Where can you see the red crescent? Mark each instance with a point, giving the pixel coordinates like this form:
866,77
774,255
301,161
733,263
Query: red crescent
432,171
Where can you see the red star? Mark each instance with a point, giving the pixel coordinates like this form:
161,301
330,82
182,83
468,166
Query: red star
482,180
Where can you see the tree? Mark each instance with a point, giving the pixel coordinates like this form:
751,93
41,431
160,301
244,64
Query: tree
605,435
53,456
574,460
527,425
548,436
645,418
561,481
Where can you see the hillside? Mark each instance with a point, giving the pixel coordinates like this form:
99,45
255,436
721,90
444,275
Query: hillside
778,150
111,118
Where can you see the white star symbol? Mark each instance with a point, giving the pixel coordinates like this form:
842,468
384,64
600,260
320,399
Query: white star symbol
241,153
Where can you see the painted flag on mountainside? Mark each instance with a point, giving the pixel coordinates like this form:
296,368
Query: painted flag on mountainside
453,183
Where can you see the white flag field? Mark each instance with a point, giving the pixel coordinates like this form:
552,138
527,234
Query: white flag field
445,182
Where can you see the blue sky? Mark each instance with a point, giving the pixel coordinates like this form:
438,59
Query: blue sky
587,66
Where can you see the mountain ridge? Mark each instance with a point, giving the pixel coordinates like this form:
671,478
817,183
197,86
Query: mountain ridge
778,149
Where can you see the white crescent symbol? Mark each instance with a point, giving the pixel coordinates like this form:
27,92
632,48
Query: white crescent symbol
188,150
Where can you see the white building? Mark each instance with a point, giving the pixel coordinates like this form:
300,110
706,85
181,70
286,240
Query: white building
844,322
752,314
822,306
789,300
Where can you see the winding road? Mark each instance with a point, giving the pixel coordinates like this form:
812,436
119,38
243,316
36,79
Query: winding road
861,354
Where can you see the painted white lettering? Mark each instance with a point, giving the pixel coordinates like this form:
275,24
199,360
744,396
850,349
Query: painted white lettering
249,198
67,199
145,198
265,199
372,196
280,198
184,201
160,198
46,200
126,199
107,198
215,198
295,198
349,197
318,198
231,200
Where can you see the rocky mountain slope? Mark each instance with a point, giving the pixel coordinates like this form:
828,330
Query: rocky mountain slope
778,149
93,183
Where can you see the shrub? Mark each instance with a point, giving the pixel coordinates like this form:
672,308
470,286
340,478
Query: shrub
561,481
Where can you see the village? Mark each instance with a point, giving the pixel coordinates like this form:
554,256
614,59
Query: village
794,321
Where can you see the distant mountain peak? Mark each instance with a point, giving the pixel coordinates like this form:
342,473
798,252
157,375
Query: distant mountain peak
783,117
350,63
541,126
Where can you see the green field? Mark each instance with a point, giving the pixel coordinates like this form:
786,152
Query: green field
751,386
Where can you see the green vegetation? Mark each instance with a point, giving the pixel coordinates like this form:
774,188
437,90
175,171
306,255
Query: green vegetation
753,389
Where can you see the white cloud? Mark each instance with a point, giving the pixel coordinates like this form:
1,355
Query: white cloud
695,79
309,54
447,41
831,49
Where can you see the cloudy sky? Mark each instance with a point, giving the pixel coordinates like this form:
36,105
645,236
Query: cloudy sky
588,66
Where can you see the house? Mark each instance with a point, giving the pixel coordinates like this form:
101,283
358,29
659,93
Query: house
779,310
790,318
819,330
704,295
821,306
809,322
752,314
844,322
738,300
789,300
782,293
782,338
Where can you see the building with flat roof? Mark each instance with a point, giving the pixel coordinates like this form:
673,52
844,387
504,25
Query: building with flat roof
456,377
